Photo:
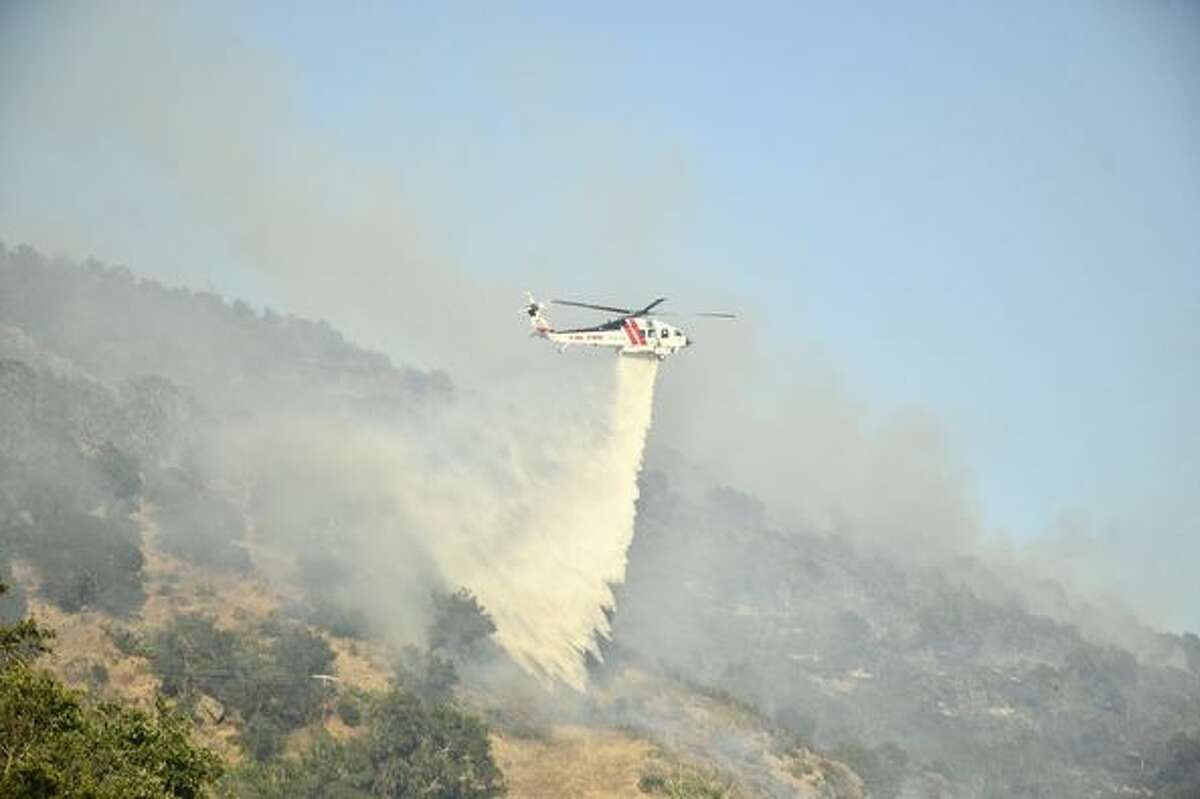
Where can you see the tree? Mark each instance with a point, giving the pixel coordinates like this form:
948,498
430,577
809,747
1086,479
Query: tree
22,642
54,741
427,674
419,748
460,627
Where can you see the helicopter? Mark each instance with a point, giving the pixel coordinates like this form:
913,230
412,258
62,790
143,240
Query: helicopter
635,332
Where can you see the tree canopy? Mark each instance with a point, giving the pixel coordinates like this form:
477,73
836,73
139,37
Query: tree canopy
56,741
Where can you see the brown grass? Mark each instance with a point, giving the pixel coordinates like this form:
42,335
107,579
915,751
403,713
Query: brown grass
175,586
81,642
361,664
575,761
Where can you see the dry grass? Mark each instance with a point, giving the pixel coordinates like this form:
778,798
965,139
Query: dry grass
361,664
574,761
553,761
175,586
81,643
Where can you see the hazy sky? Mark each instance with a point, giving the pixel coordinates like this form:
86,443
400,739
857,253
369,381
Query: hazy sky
988,211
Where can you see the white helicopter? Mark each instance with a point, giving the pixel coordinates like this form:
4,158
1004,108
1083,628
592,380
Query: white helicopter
634,332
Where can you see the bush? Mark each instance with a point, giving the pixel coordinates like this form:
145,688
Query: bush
683,784
350,709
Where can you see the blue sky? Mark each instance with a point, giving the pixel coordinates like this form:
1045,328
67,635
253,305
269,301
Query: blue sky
992,212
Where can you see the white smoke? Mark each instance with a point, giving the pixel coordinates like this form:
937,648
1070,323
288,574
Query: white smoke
525,498
543,553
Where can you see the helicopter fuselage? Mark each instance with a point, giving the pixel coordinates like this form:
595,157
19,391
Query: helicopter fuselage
627,336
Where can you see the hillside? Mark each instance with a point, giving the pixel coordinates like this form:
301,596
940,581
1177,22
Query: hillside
934,674
188,495
167,569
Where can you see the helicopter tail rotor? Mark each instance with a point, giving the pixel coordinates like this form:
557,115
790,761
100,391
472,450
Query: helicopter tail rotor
537,320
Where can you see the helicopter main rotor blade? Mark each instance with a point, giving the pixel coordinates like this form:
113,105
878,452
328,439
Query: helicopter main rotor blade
645,311
708,314
624,311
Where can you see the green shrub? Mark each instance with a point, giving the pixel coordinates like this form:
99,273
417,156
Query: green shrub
56,742
683,784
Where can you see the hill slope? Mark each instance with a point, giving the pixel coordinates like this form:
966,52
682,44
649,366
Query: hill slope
137,517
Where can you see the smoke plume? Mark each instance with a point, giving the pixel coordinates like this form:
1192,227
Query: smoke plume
527,499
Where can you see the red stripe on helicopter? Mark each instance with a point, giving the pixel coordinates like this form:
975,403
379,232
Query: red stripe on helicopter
641,337
629,328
